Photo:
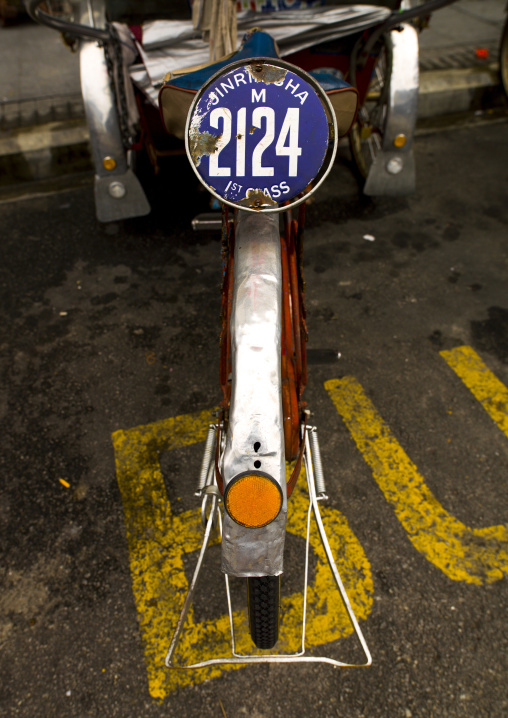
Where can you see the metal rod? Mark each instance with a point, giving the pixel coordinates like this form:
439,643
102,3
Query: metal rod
331,562
90,13
306,579
190,593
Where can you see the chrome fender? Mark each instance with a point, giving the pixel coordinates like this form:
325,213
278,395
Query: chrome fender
393,169
256,405
118,192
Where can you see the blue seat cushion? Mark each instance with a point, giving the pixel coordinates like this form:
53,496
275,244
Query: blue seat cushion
255,44
177,93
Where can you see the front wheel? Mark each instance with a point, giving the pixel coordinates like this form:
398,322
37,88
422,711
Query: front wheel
264,603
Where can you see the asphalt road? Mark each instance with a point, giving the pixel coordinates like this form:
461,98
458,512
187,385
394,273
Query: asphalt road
106,329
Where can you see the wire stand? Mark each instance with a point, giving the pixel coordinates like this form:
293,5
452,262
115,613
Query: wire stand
211,496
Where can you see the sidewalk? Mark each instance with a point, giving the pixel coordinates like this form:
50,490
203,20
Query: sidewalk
453,79
42,114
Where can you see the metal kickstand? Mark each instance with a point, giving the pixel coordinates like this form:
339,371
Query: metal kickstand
208,489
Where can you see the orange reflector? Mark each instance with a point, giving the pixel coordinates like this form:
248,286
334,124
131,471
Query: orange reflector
109,163
400,140
253,499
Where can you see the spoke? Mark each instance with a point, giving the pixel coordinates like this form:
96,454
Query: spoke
370,145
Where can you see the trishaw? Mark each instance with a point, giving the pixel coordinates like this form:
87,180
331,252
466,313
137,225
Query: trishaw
260,124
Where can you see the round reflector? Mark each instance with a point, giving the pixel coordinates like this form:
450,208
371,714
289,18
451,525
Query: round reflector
253,499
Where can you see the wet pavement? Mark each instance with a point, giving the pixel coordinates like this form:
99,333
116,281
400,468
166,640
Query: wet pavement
112,328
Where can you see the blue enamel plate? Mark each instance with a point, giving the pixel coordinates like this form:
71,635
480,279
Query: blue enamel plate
261,134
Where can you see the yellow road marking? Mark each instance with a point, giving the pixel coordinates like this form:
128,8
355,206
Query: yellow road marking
463,554
481,382
158,541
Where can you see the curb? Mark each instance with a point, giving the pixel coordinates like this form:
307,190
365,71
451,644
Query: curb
31,154
42,152
455,90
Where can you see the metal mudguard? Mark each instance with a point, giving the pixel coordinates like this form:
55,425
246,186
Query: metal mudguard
256,404
118,192
393,170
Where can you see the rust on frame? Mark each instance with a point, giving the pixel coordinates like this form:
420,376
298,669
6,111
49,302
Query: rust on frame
202,143
266,73
257,199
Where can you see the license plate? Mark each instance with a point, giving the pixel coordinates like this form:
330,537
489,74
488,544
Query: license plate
258,134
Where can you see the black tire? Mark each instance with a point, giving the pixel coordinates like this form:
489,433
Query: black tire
264,609
366,135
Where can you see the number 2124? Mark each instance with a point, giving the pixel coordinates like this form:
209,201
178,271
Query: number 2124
287,142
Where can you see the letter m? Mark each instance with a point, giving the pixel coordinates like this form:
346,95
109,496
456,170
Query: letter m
258,98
